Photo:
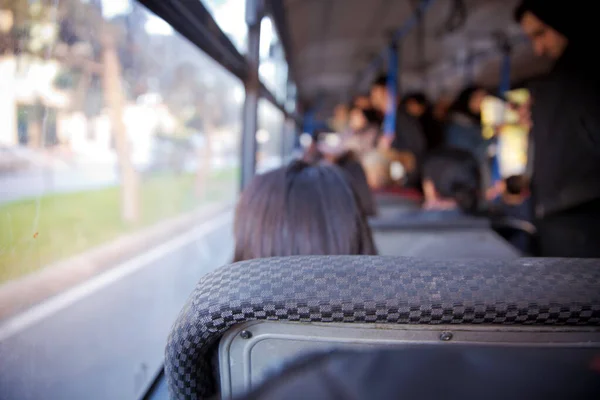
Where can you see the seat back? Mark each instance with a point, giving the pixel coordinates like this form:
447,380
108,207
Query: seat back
395,295
251,353
445,244
408,220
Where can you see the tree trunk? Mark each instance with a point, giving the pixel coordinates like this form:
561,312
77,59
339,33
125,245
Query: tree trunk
204,167
34,133
81,92
113,95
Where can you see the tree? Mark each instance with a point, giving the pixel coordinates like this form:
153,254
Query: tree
113,94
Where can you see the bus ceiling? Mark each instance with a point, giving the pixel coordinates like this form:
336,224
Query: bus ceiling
335,48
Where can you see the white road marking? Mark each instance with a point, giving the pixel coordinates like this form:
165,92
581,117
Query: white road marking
53,305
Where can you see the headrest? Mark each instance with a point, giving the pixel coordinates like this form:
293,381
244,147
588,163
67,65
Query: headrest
369,289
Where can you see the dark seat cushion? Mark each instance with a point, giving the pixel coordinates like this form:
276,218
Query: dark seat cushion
440,372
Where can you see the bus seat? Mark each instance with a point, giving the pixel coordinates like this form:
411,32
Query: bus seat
383,200
398,194
445,244
406,222
312,302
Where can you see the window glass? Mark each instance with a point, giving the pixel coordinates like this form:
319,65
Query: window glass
269,136
118,136
291,96
273,69
289,145
230,15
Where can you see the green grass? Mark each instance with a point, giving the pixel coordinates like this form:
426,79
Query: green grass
37,232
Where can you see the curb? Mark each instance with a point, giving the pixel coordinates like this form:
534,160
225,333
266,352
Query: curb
18,295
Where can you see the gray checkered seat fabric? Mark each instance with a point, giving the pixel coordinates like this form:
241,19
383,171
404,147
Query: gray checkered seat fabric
364,289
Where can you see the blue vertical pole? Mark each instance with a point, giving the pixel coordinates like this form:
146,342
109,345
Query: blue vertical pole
309,122
389,123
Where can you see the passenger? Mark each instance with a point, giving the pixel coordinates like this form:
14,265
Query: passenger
418,105
515,203
441,108
339,122
515,200
364,130
361,101
464,123
464,130
379,165
301,209
565,120
350,163
378,170
451,183
408,134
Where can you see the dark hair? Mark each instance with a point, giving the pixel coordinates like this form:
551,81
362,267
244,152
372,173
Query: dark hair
455,175
516,184
419,97
356,174
372,116
301,209
520,10
572,20
461,103
381,80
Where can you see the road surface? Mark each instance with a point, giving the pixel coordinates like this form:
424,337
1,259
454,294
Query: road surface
105,339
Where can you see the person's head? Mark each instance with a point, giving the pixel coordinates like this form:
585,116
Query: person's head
441,107
547,24
301,209
452,179
469,101
356,174
377,169
516,185
379,94
361,101
340,113
416,104
362,118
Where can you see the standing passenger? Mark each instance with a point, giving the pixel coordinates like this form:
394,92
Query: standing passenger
408,134
418,105
565,121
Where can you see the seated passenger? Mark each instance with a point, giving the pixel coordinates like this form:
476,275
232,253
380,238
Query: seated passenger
300,209
515,203
356,174
364,130
451,184
515,200
339,122
377,170
381,165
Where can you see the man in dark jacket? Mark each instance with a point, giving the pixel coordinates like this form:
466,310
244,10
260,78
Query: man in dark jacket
565,120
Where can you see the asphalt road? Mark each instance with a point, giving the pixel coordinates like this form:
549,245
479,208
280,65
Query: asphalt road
107,340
